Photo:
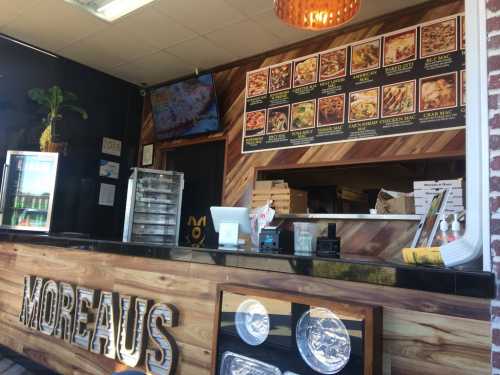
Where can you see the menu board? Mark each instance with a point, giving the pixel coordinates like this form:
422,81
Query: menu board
404,82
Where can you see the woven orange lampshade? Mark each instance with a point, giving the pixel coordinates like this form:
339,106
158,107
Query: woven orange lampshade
316,14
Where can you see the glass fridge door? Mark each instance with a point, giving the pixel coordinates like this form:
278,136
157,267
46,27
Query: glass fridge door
29,190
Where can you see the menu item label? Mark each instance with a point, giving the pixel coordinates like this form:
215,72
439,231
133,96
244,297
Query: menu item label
408,81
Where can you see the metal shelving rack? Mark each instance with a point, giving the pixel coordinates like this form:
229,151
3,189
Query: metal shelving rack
153,212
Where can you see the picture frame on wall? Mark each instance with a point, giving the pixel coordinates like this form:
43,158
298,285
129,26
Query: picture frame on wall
147,155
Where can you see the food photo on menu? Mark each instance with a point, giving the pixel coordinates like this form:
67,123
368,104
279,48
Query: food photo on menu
400,47
363,105
255,123
333,64
438,38
462,85
257,83
277,119
303,115
331,110
305,71
365,56
398,99
280,77
438,92
462,27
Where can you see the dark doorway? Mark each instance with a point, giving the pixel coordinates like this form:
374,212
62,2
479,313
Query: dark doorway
203,168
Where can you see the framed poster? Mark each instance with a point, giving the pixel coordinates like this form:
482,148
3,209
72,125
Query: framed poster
147,155
261,331
109,169
404,82
111,146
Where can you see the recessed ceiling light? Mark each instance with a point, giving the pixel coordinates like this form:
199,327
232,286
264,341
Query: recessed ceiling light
110,10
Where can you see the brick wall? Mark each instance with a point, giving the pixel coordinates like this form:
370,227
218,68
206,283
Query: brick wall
493,30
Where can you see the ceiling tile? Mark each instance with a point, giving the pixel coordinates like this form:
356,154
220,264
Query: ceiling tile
110,47
155,27
156,68
52,25
271,23
245,39
11,9
201,53
201,16
251,7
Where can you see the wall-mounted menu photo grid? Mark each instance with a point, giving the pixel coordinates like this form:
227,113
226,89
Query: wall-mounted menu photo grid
404,82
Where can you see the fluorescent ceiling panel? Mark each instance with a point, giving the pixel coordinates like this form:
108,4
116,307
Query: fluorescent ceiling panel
110,10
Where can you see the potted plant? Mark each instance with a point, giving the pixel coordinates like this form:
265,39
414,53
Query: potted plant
54,101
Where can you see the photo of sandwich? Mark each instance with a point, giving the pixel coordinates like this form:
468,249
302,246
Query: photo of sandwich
277,119
331,110
363,105
333,64
399,99
303,115
400,47
280,77
255,123
438,92
305,72
365,56
257,83
438,38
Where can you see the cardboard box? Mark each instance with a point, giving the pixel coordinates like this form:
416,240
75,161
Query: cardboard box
403,204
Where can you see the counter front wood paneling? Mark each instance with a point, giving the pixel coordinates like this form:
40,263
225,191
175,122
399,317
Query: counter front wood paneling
423,333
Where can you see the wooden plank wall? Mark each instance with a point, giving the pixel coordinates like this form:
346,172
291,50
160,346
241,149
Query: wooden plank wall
424,333
230,85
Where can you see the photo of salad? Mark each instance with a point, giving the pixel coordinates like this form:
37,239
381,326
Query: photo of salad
363,105
306,72
303,115
280,77
277,119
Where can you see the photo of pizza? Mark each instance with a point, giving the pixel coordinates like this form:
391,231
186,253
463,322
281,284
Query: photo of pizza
365,56
255,123
331,110
277,119
306,71
400,47
438,38
303,115
333,64
462,28
438,92
257,83
280,77
363,105
463,87
398,99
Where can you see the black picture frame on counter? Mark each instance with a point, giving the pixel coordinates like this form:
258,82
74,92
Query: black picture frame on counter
148,153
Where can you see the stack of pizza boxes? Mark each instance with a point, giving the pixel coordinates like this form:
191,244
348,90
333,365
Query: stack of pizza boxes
425,190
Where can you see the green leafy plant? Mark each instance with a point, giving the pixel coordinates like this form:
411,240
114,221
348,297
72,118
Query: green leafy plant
54,101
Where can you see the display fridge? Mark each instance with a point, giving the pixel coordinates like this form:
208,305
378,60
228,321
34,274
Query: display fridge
154,199
27,190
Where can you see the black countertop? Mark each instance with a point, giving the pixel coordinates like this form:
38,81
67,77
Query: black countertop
437,280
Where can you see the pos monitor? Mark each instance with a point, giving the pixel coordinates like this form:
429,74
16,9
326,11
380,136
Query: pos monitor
229,222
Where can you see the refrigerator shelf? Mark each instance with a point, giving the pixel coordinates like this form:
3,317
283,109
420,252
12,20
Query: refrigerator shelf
29,209
163,223
153,200
160,191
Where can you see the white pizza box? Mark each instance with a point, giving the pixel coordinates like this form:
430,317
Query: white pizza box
443,184
422,210
452,201
431,194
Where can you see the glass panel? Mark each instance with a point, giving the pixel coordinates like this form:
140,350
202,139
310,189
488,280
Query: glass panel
30,182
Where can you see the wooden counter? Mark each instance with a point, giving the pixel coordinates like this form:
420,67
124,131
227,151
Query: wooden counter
424,333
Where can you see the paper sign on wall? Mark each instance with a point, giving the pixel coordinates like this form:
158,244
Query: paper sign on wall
111,146
107,195
109,169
